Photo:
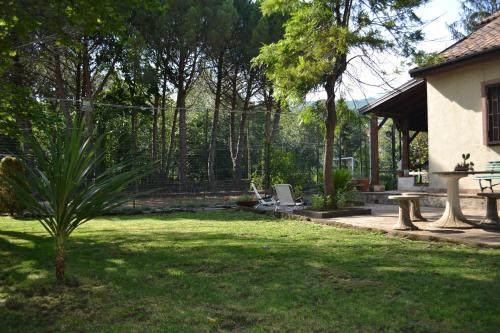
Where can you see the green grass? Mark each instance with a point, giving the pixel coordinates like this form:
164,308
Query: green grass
239,272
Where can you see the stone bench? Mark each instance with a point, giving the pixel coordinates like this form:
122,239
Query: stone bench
404,220
491,220
415,213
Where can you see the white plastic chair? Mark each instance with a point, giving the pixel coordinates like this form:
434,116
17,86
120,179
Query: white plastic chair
284,196
263,201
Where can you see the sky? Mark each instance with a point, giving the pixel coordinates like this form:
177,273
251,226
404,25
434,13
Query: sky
437,14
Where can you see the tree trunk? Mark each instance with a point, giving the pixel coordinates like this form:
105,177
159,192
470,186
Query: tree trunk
60,91
60,259
154,138
266,165
156,104
88,109
163,124
78,87
339,157
171,145
237,172
181,106
215,124
276,123
232,115
330,122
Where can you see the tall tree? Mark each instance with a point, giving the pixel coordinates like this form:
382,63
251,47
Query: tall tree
185,31
244,80
221,20
322,37
471,13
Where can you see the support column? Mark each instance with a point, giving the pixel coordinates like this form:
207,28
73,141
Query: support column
374,170
405,149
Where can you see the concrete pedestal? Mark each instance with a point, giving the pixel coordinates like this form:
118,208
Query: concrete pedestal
404,221
415,213
491,220
453,216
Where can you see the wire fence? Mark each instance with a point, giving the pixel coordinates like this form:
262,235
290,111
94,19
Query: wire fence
150,136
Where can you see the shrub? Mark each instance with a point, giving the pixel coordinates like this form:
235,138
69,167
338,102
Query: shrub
9,201
344,189
319,202
245,197
342,179
68,192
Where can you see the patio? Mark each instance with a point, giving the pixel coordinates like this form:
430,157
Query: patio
385,216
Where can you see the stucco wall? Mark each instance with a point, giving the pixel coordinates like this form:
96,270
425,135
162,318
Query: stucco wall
456,121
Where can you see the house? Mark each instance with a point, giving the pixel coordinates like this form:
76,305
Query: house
457,101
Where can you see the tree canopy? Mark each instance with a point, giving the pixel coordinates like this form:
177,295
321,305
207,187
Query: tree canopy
321,40
471,13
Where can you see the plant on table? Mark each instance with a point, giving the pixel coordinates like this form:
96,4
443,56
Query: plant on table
465,165
65,188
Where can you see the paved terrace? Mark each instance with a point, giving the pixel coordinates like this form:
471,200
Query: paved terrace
385,216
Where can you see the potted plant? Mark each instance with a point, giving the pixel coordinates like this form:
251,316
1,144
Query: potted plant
465,165
246,200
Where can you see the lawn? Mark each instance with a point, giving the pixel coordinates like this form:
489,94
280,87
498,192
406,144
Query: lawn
238,272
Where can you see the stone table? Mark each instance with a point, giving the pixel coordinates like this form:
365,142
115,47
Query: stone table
453,216
415,213
404,221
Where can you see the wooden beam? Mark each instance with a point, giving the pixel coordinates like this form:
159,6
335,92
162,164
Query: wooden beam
374,170
382,123
414,136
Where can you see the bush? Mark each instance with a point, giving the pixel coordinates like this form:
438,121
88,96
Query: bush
344,189
319,202
245,197
9,202
342,179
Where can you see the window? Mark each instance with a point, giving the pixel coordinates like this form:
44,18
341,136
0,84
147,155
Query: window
492,96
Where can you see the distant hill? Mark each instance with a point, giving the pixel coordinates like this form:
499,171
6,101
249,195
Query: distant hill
358,103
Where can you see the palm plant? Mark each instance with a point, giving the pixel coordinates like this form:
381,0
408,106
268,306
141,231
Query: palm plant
64,192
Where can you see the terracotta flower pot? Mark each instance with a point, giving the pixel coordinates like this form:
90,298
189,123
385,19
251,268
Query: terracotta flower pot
249,203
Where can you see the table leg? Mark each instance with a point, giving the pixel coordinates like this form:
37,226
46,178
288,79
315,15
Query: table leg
404,221
453,216
415,213
491,220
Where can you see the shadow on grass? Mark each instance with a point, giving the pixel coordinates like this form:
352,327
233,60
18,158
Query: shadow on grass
248,280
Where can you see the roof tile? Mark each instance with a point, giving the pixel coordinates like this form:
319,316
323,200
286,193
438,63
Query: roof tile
484,38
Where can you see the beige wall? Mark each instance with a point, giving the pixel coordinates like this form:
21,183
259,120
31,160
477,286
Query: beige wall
456,119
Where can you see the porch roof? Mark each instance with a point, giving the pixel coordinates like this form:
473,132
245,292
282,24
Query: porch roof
406,103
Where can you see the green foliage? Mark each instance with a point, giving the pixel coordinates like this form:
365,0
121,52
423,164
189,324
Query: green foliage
466,164
320,34
9,201
63,191
423,59
341,179
245,197
471,13
320,202
343,186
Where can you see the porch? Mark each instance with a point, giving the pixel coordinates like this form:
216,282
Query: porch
406,106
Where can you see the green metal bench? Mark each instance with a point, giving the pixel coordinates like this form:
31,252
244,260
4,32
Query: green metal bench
493,166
